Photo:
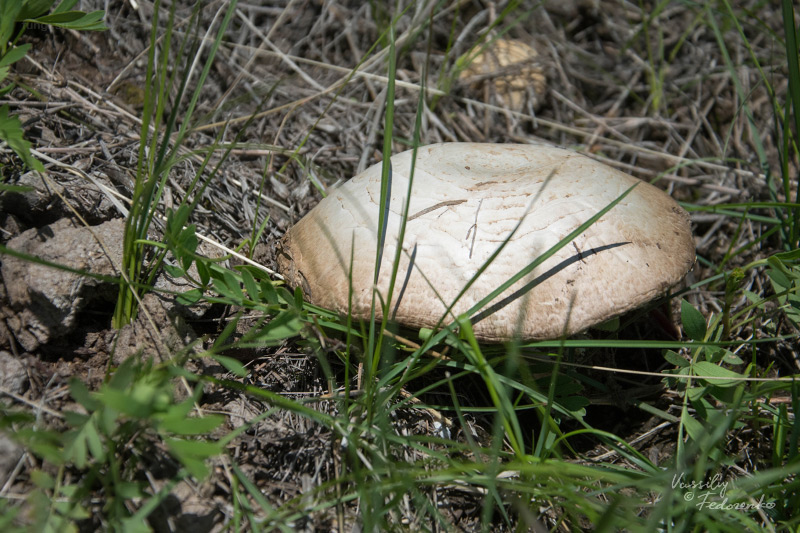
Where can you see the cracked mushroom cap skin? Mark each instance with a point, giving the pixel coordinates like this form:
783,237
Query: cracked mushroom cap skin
466,199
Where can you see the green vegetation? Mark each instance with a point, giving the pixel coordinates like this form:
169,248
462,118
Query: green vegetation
162,137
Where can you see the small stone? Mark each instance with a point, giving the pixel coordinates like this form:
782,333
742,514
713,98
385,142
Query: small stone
48,299
12,373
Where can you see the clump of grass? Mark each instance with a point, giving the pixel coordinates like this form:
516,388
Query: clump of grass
161,139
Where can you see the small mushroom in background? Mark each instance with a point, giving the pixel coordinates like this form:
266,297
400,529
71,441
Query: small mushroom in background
467,198
513,70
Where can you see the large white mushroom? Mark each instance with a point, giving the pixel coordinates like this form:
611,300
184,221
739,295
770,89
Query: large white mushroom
466,200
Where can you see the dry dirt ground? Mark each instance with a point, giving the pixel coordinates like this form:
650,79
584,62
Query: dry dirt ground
609,93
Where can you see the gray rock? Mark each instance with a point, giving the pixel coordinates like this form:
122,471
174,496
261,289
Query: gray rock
47,299
12,373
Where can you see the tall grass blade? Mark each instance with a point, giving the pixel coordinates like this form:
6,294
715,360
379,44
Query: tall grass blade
374,348
386,168
793,107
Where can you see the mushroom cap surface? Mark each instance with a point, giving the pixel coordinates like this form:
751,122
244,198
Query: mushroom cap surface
466,200
513,70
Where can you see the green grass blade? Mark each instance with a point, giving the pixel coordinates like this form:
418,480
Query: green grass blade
790,33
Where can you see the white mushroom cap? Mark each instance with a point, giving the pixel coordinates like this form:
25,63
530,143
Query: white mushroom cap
466,200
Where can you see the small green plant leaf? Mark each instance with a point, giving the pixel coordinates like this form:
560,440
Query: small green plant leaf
135,524
787,257
9,418
94,442
225,334
182,240
8,517
232,291
124,375
202,271
192,426
250,285
45,444
174,271
42,479
80,392
73,20
731,358
779,279
63,19
14,55
268,293
695,394
693,322
190,297
9,11
675,359
298,298
198,448
231,365
226,284
693,427
11,133
129,489
187,243
84,438
3,75
193,453
124,402
280,328
65,5
177,218
574,403
35,8
15,188
713,355
785,279
704,368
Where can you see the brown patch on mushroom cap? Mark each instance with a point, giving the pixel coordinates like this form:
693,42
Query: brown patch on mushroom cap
466,199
